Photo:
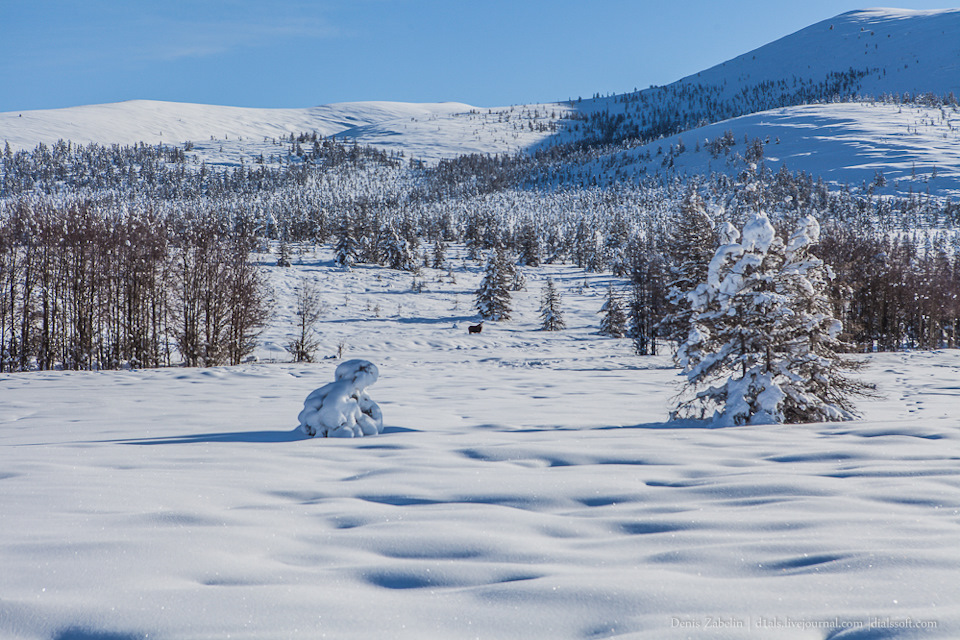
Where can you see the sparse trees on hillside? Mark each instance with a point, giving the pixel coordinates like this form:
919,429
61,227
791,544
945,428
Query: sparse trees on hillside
93,240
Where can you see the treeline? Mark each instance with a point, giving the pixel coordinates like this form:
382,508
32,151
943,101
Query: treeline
168,172
900,292
88,287
90,284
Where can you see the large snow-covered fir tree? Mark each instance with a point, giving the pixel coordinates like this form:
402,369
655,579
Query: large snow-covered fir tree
763,344
493,296
551,315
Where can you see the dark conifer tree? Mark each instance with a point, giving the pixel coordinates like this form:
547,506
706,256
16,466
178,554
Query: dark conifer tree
345,250
283,255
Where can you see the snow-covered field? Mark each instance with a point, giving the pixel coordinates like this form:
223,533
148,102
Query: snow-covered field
527,485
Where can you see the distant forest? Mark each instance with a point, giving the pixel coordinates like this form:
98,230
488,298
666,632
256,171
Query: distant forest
137,256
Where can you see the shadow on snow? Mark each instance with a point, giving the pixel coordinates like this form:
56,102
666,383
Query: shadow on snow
250,437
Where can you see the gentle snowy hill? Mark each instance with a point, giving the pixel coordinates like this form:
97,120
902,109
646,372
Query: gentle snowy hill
425,131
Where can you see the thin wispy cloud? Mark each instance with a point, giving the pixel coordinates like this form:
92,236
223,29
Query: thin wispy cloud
178,39
118,34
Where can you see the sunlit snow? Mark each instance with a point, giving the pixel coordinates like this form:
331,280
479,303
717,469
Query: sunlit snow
526,485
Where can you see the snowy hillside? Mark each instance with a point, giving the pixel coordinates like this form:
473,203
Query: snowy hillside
526,486
889,148
906,51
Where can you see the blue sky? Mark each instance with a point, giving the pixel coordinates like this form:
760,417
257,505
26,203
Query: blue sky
299,53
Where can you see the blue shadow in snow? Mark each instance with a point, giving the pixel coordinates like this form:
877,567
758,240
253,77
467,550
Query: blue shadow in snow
79,633
252,437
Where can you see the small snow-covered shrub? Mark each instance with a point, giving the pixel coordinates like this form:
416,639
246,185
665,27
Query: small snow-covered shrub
342,408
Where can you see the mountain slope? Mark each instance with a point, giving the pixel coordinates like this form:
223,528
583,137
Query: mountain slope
860,53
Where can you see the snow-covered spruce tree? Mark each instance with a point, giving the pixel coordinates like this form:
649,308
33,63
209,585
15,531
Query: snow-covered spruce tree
529,245
689,247
283,255
614,320
551,315
396,251
493,296
763,345
439,257
345,249
517,278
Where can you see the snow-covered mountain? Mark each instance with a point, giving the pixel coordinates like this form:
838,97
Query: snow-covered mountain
874,52
785,94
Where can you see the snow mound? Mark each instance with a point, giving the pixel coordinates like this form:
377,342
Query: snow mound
342,409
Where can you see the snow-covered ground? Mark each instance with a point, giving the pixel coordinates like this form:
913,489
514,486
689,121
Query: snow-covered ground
526,485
